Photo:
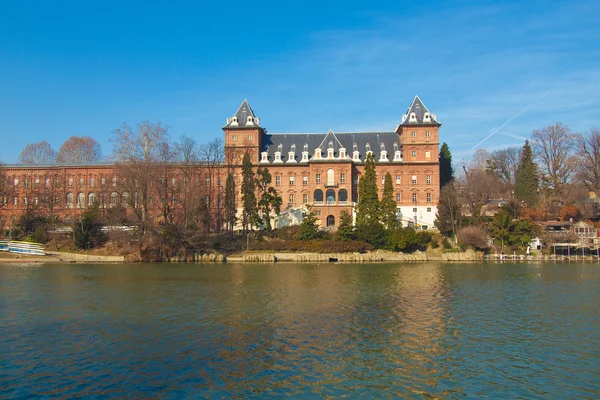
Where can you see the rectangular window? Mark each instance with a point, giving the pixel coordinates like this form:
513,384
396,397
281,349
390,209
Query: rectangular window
397,197
397,179
114,181
429,197
16,182
233,137
16,200
218,181
415,210
292,199
81,181
305,180
355,179
428,209
428,179
342,178
413,153
291,181
249,137
103,181
318,178
26,183
36,183
414,179
92,182
305,198
428,134
278,180
57,183
383,179
413,134
48,183
207,181
414,198
428,154
318,213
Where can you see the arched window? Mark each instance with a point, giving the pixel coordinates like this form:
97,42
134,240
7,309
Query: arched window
318,196
330,177
343,196
330,221
80,200
91,198
330,196
125,199
70,200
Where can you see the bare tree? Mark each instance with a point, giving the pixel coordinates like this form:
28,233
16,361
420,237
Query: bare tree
588,170
37,153
137,152
212,155
5,187
504,163
192,193
477,187
554,148
79,149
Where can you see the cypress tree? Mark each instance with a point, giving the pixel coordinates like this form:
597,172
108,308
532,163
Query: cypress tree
527,183
250,213
388,204
446,170
309,230
230,203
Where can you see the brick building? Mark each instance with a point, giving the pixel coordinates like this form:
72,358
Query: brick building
320,169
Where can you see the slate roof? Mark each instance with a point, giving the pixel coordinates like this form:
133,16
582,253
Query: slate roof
242,114
418,108
284,141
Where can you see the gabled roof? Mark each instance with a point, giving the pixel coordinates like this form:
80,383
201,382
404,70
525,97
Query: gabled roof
418,114
243,118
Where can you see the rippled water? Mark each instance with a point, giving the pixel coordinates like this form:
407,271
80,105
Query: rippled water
441,330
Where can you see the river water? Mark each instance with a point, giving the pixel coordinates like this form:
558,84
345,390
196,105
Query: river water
291,330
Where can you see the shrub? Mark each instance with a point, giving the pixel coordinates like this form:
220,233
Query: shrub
473,236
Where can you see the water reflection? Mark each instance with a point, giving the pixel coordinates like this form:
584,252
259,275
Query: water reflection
408,330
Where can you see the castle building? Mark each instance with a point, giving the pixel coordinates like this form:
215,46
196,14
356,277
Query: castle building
317,169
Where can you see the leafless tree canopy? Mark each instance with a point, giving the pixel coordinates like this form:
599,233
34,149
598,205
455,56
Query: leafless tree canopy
554,149
79,149
504,163
588,170
37,153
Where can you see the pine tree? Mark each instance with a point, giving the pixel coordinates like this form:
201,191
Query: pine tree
269,199
527,183
230,202
446,170
388,204
368,213
345,229
250,212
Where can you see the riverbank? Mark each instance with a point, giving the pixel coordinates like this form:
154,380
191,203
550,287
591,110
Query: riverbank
60,257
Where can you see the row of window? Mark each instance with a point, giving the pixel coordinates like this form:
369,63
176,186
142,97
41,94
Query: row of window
331,179
342,197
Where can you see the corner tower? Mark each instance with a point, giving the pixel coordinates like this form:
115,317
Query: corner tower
243,134
419,133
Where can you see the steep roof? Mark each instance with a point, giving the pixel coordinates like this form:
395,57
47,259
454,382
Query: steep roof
243,118
418,114
351,141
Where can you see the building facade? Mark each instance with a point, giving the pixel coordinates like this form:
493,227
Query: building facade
321,170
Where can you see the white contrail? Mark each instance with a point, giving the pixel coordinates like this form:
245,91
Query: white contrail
507,122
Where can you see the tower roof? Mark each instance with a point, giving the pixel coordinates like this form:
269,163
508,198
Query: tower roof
418,114
243,118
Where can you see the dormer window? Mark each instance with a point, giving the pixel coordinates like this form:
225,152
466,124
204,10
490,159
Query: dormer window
318,153
277,156
383,154
412,117
264,157
305,156
426,117
342,152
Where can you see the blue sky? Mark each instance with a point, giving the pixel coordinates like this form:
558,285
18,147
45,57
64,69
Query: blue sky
84,68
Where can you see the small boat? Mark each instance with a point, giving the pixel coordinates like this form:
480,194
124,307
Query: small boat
13,246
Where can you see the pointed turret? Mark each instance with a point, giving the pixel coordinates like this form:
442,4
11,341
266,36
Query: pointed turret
243,118
418,114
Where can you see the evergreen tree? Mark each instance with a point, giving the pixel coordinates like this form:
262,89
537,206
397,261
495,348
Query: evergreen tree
527,183
309,230
345,229
388,204
88,231
249,210
269,199
446,170
368,213
230,202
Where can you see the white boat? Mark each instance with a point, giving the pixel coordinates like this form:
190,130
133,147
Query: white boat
13,246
